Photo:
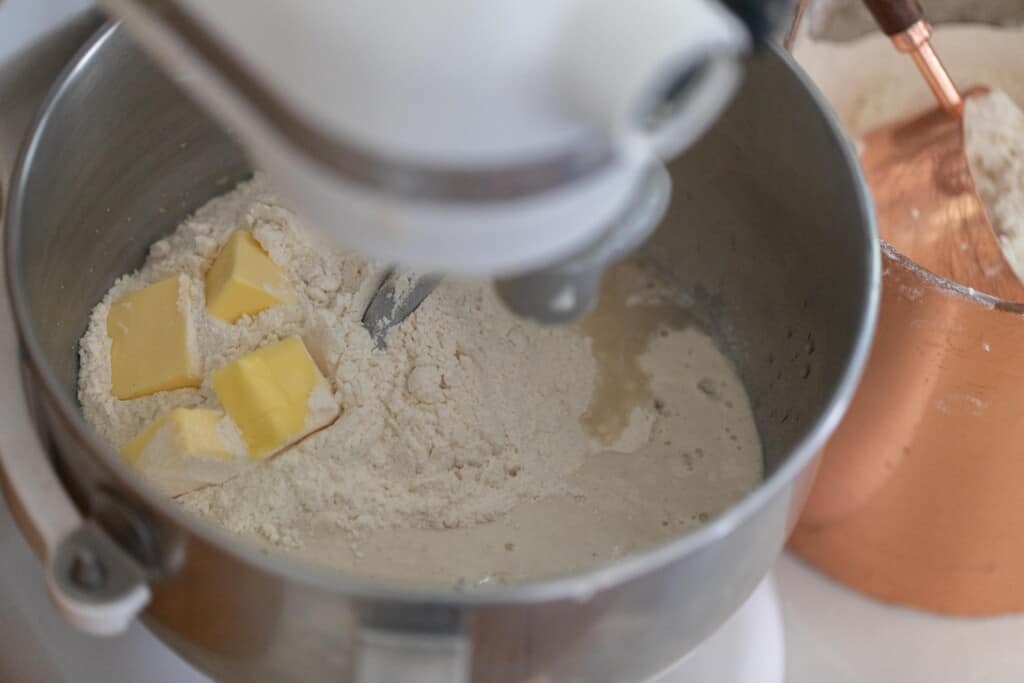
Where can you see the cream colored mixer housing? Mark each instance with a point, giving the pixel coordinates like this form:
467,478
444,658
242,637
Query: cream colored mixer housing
522,141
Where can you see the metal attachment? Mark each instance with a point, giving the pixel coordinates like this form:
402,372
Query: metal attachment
568,289
396,298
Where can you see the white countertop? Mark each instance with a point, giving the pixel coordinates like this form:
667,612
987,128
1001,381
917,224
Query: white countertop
834,635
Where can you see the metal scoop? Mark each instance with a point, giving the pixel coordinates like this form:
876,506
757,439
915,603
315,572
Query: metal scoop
925,200
399,294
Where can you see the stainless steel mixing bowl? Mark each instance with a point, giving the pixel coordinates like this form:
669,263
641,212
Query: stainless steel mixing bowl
770,233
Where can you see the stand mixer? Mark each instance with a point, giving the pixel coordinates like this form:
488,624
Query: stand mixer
520,141
116,137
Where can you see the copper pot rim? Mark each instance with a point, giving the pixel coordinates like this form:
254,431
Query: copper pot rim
981,298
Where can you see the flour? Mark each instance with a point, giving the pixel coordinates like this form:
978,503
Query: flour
469,427
994,142
469,412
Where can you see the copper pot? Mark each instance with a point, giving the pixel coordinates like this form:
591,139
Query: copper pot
919,497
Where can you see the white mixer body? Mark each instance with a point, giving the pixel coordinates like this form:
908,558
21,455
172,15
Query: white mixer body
480,137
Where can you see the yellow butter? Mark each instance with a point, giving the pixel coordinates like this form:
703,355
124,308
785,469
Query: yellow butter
276,395
187,448
153,341
243,280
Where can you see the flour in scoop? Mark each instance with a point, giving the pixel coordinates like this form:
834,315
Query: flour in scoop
476,446
994,142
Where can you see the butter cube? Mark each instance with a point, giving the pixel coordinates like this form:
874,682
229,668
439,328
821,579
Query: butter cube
153,343
244,280
276,395
186,449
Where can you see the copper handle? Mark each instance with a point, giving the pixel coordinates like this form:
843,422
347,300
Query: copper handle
904,22
789,42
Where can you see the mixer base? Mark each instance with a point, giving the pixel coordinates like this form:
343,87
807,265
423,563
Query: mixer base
748,648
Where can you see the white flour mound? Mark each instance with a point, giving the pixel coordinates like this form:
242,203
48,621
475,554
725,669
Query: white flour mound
468,412
475,448
994,141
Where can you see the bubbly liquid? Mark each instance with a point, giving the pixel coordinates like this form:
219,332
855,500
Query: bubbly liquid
620,332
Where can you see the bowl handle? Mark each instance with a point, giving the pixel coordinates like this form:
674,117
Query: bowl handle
95,585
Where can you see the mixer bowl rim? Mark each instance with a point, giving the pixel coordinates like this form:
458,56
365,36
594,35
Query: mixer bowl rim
577,586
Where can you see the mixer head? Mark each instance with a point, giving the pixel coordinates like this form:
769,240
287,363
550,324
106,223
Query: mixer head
523,142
